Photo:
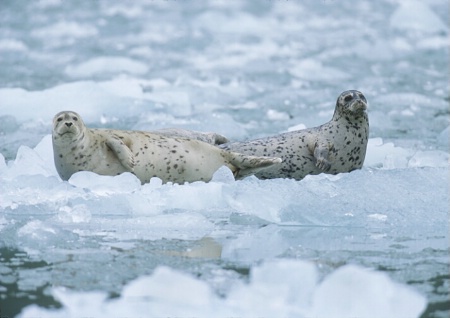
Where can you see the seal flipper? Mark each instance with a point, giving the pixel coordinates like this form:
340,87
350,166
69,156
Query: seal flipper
244,165
122,152
321,152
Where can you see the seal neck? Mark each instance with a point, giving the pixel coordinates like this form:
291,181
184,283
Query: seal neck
355,120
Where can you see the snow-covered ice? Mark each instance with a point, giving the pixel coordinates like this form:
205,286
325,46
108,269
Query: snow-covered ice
370,243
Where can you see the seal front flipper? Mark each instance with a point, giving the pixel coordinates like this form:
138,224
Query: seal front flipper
321,152
122,152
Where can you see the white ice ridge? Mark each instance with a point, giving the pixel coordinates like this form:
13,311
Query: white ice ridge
277,288
31,180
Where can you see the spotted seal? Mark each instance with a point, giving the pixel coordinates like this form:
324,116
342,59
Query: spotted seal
111,152
335,147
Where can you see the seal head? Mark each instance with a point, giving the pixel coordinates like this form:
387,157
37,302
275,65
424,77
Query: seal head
66,126
351,103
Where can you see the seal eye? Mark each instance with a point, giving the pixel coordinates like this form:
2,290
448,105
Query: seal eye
361,96
75,118
59,119
348,98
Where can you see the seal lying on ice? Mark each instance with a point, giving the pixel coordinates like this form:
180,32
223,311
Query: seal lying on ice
111,152
335,147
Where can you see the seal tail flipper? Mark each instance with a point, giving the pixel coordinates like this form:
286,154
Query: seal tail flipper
244,165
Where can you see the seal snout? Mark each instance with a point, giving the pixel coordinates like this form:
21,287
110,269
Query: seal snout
358,105
66,127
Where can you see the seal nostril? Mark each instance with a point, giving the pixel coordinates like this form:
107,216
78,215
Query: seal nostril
68,124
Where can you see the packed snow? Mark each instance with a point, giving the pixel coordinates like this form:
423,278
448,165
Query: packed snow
370,243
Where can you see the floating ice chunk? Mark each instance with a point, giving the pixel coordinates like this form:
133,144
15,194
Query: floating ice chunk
417,16
246,105
297,127
401,45
127,11
248,248
37,235
33,194
155,182
179,100
196,196
254,198
29,162
415,101
77,214
44,149
65,29
378,50
106,65
125,86
341,202
281,288
292,280
76,303
276,115
352,291
221,123
223,175
12,45
386,155
157,90
35,229
377,216
105,185
313,70
48,3
240,23
168,286
84,97
435,158
433,43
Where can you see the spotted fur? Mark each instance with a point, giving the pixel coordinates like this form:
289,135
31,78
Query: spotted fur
335,147
208,137
111,152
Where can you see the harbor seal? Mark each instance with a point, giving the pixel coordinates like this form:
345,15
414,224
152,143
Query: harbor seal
111,152
335,147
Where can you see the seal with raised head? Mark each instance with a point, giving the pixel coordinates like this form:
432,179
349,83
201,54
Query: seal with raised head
334,147
111,152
